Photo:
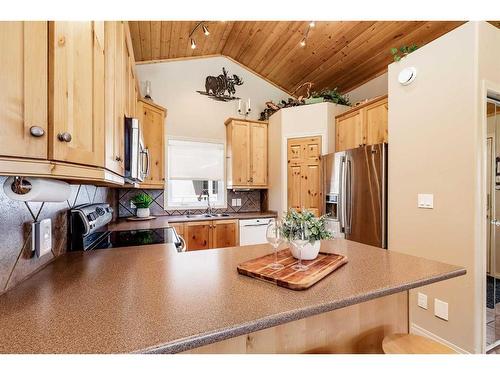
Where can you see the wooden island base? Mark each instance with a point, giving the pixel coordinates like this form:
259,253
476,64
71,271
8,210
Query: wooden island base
354,329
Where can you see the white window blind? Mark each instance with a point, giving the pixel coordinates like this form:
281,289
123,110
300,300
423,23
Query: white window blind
189,160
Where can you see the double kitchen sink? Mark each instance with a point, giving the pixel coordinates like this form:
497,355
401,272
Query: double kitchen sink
206,215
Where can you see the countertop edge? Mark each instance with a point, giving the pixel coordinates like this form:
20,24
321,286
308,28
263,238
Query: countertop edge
196,341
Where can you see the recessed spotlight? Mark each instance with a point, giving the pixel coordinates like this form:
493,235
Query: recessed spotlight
303,42
312,24
205,30
193,44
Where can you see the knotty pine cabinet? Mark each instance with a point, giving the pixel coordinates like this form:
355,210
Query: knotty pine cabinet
62,106
363,125
246,153
209,234
304,187
152,119
23,94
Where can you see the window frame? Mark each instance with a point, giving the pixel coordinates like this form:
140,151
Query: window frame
166,205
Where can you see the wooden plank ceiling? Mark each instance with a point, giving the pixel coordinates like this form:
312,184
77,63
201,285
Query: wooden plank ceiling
343,54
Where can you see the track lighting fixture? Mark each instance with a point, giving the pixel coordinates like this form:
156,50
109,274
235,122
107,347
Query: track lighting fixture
312,24
303,42
205,30
193,44
306,33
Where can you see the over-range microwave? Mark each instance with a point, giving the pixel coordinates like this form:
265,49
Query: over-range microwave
137,160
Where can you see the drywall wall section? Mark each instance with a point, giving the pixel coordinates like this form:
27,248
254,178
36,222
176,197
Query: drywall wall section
371,89
174,85
436,147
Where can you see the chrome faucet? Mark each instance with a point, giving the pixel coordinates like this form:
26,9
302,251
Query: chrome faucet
207,192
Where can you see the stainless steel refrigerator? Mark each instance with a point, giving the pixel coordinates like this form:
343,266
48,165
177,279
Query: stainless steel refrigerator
356,194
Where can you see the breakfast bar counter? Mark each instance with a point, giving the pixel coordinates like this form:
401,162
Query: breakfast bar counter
152,299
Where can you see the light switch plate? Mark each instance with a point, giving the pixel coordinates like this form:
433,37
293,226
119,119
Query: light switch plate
41,237
440,309
425,201
238,202
233,202
422,300
132,205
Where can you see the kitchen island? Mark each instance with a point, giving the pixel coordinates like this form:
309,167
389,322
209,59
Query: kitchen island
152,299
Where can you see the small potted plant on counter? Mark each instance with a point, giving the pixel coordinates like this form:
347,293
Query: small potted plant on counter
142,202
316,232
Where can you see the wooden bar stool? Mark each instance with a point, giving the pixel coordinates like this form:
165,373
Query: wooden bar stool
402,343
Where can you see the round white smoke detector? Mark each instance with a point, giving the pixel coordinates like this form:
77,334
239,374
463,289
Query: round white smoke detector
407,76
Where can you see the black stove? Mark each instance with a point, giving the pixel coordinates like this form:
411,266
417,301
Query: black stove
88,231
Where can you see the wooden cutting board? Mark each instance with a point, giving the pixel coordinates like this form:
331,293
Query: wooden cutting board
287,277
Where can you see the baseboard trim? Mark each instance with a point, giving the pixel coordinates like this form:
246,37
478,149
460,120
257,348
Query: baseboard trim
417,330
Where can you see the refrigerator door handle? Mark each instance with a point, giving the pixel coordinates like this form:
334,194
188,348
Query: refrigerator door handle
349,199
342,193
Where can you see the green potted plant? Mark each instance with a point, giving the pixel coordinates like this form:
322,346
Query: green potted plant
316,232
328,95
142,202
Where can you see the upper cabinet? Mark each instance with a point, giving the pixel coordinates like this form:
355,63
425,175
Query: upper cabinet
363,125
152,119
76,92
246,153
23,97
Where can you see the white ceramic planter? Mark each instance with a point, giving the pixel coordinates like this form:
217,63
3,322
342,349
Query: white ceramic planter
309,251
142,212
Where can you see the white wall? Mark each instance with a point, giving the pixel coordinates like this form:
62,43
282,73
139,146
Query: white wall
370,89
192,115
302,121
437,127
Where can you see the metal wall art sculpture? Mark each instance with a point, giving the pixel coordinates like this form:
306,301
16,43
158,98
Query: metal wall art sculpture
222,87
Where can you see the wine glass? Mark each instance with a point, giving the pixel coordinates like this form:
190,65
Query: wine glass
275,238
300,237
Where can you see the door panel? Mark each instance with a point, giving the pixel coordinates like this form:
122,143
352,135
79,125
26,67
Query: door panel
153,121
364,195
375,123
311,192
225,233
23,97
240,139
75,55
348,132
294,187
197,235
258,134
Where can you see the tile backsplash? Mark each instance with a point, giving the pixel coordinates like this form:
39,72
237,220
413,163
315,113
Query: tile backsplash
251,201
16,260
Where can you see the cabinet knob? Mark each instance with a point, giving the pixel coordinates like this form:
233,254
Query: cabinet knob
64,137
118,158
37,131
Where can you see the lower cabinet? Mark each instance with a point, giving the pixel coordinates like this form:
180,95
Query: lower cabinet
209,234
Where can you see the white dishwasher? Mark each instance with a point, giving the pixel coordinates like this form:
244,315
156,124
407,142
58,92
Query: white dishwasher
253,231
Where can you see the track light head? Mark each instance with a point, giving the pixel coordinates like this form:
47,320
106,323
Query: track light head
193,44
312,24
303,42
205,30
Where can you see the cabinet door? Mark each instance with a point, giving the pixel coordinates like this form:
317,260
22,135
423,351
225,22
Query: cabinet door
114,124
76,63
258,141
225,233
240,144
348,132
375,122
23,94
197,235
153,122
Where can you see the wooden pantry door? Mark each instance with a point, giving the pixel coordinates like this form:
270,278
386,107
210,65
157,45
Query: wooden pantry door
304,174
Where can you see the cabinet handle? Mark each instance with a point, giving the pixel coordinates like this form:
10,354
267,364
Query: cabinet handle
37,131
118,158
64,137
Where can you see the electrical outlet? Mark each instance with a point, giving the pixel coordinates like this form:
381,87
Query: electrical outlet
425,201
422,300
233,202
132,205
440,309
238,202
41,237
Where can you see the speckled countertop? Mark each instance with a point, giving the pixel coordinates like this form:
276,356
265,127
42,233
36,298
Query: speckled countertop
153,299
162,221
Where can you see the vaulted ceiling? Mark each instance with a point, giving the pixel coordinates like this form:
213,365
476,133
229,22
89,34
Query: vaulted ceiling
343,54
